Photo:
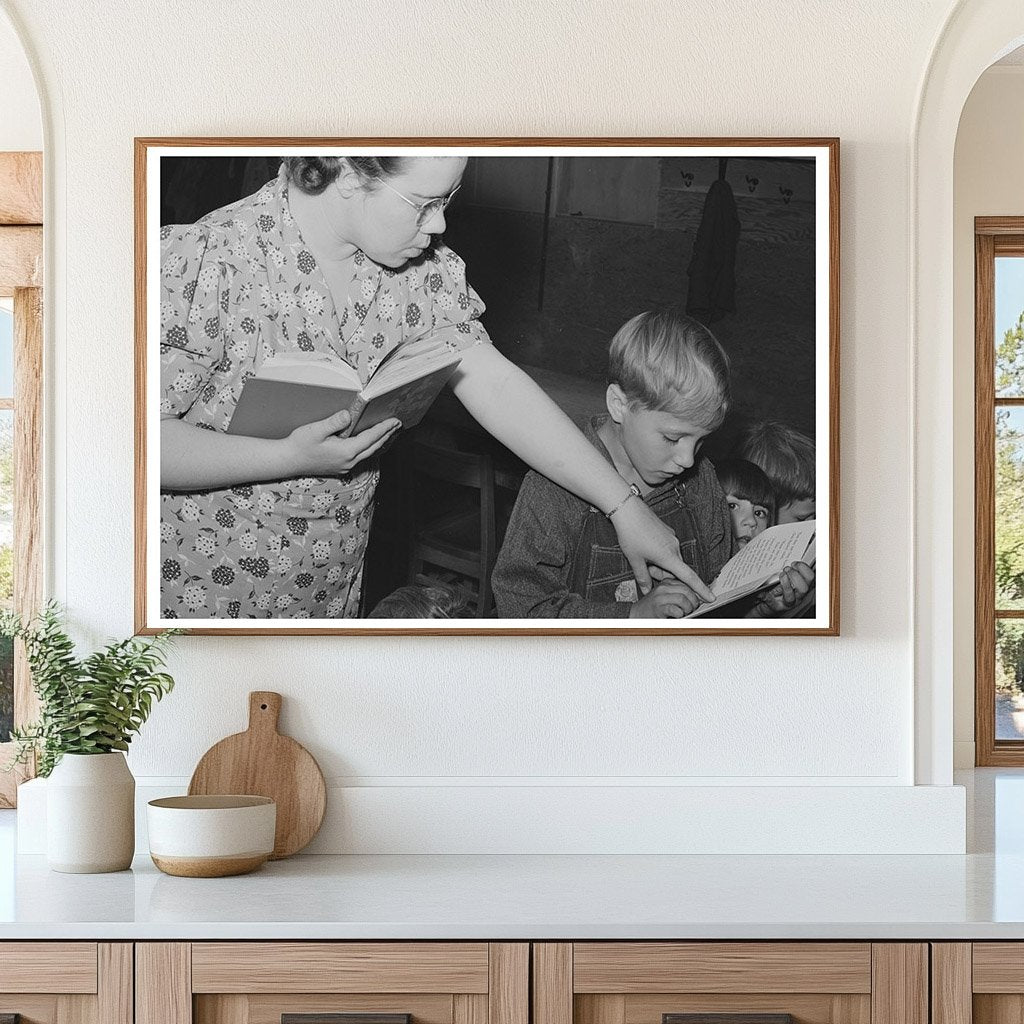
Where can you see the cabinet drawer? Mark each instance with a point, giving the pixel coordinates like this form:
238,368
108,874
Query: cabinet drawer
340,967
998,967
730,983
634,967
65,967
332,983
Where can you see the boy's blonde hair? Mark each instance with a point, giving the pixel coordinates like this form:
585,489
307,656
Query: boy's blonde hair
669,362
785,455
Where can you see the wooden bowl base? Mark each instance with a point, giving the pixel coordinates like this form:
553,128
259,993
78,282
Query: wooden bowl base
209,867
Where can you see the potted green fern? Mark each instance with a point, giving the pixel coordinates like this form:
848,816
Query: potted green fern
89,709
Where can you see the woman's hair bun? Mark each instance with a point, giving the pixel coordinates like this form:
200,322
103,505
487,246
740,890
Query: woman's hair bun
313,174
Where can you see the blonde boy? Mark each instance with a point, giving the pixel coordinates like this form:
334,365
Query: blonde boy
669,389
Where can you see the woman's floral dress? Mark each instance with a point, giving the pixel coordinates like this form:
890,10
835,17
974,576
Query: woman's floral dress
237,286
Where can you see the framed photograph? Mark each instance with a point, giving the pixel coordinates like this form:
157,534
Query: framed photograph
498,386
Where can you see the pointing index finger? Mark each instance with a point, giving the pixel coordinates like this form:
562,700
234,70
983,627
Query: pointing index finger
685,573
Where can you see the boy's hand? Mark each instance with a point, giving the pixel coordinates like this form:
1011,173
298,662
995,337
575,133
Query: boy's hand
668,600
795,583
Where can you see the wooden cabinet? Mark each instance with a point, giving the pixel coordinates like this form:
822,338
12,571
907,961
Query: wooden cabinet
494,983
66,982
261,982
814,982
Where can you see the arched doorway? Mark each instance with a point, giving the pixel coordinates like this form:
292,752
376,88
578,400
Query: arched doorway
977,34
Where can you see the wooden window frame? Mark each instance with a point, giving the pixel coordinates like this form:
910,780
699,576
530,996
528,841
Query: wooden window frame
21,278
993,236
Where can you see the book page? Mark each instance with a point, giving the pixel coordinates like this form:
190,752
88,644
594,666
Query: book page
313,368
758,564
420,348
410,367
765,556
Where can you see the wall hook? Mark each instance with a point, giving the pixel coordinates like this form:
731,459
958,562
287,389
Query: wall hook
687,177
787,194
752,183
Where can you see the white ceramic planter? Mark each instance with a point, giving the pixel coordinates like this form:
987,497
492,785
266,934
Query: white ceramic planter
90,814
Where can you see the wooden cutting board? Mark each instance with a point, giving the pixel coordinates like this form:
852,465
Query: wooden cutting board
262,762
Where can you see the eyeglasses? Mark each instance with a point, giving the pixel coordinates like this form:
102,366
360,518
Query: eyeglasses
424,211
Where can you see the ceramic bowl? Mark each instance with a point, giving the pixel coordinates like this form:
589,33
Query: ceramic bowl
211,836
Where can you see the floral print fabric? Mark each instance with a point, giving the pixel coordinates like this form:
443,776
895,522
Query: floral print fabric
237,286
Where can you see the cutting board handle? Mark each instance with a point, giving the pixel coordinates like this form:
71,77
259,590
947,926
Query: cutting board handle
264,710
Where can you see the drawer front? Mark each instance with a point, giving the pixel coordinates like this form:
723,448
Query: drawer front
58,967
998,967
637,967
332,983
685,982
730,983
340,967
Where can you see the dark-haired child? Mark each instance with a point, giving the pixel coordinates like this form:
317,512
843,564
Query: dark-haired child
779,461
749,495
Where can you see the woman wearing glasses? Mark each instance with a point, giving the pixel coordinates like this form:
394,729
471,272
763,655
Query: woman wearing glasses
339,256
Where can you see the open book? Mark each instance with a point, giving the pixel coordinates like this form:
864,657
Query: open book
292,389
759,564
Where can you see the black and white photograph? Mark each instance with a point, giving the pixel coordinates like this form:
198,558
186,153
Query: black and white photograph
471,386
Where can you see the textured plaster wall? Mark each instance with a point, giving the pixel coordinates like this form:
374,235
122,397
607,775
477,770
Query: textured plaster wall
732,710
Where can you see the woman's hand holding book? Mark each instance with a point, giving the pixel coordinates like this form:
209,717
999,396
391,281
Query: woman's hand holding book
317,450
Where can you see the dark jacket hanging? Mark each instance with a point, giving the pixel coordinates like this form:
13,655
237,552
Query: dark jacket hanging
712,267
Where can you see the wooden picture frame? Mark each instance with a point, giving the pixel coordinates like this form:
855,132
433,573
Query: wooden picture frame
564,240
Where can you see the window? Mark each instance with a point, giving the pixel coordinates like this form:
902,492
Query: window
999,490
20,429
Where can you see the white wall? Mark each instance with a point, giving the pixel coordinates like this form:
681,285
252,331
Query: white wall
427,716
987,182
21,127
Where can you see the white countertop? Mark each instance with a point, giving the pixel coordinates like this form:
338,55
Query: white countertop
517,897
976,896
